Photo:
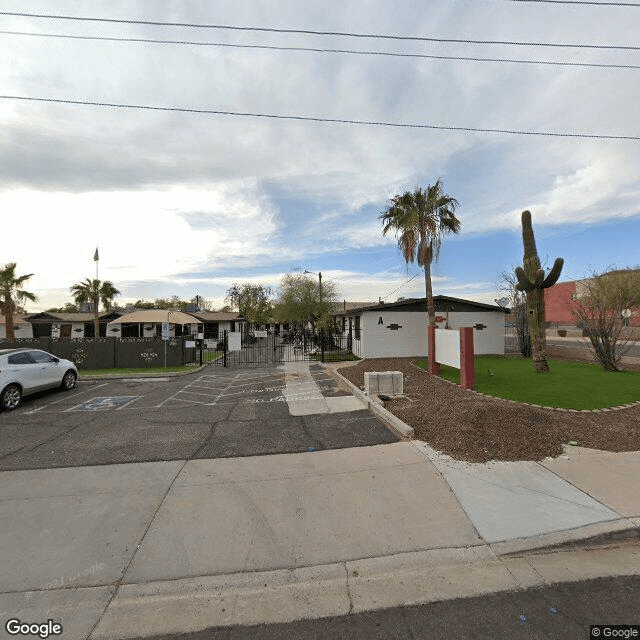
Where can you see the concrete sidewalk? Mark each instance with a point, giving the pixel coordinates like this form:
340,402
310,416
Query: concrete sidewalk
132,550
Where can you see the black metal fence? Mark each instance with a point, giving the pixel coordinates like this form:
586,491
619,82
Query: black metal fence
263,347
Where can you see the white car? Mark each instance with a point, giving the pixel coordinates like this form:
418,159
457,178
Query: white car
25,371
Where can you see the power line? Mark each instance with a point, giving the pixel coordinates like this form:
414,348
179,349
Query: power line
400,287
344,34
372,123
321,50
596,4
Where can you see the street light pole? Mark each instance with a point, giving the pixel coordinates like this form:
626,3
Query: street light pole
319,274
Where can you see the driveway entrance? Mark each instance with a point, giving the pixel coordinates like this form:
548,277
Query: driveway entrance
213,413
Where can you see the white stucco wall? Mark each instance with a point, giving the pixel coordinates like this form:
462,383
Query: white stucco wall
487,341
410,339
378,341
148,330
448,347
114,330
20,329
77,329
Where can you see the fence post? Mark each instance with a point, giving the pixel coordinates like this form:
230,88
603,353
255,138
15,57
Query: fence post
321,345
224,349
433,365
467,368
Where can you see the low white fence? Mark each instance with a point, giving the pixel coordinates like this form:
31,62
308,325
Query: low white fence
448,347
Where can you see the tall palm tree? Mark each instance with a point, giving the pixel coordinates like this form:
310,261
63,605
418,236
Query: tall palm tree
95,291
11,294
420,219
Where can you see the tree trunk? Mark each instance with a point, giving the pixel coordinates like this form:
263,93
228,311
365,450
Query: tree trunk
8,316
429,291
535,311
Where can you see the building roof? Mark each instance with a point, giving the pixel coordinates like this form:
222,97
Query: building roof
18,318
54,316
156,316
442,303
216,316
346,305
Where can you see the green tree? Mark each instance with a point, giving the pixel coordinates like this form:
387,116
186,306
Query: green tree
69,307
420,219
143,304
301,299
173,302
599,313
12,294
253,301
95,291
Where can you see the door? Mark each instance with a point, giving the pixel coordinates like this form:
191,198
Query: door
46,372
65,331
21,370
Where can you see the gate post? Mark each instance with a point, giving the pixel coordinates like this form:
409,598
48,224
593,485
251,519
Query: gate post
433,365
224,349
321,345
467,368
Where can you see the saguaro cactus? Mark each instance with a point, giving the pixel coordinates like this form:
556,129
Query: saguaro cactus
531,280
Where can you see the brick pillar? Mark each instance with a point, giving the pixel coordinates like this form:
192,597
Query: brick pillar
433,365
467,369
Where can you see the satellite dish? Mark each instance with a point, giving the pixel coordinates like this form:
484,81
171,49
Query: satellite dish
503,302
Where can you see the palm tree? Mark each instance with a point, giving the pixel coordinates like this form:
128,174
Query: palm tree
420,219
11,293
95,291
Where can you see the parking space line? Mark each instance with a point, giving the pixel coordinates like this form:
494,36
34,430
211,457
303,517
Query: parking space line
196,393
44,406
128,403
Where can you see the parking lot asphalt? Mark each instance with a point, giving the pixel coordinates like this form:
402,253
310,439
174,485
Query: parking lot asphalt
212,413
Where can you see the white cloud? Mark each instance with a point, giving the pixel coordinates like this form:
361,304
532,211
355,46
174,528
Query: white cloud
141,235
166,195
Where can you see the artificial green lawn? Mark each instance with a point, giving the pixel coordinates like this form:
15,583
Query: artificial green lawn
208,356
569,385
335,356
136,370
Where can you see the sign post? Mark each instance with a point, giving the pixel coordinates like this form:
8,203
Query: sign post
165,337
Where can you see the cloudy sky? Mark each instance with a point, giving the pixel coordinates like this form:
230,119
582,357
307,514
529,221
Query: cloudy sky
188,203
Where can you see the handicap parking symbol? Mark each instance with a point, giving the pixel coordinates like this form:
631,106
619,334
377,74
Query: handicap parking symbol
102,403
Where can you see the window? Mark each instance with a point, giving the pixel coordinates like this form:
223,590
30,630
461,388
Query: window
40,357
356,328
19,358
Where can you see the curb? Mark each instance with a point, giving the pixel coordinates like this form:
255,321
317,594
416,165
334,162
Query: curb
120,376
189,605
399,427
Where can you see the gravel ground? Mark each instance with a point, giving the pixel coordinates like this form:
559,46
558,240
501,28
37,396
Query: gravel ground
477,428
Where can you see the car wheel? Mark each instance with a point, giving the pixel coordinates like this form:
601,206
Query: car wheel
10,397
69,380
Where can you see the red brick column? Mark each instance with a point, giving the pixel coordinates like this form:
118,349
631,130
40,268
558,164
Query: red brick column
433,365
467,369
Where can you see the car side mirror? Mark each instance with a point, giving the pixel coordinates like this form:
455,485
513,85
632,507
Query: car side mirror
54,359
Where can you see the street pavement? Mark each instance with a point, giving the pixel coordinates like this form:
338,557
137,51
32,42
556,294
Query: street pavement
269,495
563,611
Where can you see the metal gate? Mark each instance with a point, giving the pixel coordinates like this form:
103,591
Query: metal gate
269,348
